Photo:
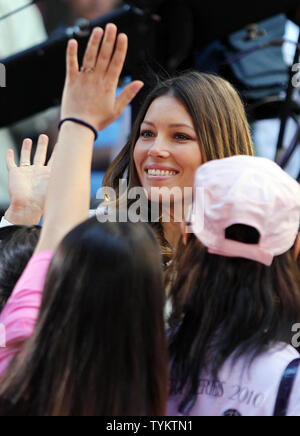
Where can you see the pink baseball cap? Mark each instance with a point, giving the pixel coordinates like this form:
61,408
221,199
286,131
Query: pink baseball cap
246,190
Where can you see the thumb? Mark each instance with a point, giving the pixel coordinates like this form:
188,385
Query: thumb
128,95
10,160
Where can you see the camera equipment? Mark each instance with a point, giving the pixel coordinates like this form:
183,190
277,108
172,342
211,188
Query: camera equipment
161,32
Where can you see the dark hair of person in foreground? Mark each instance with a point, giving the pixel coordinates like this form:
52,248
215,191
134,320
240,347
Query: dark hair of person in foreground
17,244
99,346
227,307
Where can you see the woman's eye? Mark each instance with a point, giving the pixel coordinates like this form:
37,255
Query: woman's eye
182,137
147,134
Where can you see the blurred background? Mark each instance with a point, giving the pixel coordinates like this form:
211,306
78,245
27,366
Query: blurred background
253,46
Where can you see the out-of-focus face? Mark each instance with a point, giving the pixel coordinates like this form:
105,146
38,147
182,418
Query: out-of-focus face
167,153
91,9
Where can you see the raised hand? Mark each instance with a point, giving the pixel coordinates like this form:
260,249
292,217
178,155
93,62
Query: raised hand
28,183
89,95
90,92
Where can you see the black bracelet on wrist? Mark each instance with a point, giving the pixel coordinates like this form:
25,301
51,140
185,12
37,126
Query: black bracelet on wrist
78,121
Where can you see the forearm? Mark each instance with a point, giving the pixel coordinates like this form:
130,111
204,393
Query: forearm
68,196
90,95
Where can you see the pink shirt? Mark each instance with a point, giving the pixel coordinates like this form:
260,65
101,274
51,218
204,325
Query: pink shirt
249,392
20,314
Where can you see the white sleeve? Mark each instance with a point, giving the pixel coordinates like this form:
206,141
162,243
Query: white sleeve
92,213
5,223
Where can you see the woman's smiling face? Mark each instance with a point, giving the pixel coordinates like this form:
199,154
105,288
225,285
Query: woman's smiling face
167,153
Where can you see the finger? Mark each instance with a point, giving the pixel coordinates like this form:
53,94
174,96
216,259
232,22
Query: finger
10,160
91,53
72,58
41,151
26,152
52,158
118,59
107,48
128,95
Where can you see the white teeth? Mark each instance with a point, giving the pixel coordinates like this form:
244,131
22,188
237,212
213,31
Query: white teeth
161,173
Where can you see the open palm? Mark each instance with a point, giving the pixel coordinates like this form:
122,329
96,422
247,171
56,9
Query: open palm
28,183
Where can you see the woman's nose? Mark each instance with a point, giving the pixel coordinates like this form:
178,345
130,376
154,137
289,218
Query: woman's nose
159,149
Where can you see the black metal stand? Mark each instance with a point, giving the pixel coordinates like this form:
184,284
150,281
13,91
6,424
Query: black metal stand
35,77
289,152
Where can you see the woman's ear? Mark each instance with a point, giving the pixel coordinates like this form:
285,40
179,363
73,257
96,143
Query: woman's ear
297,247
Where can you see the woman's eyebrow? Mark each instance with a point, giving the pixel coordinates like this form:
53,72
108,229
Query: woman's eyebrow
170,125
182,125
148,122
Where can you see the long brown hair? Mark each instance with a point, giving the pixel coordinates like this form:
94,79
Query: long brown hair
99,346
218,116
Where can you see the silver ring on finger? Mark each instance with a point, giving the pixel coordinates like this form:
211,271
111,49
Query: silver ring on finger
25,164
87,70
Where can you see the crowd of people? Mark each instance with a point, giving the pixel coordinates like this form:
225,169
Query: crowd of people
164,317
